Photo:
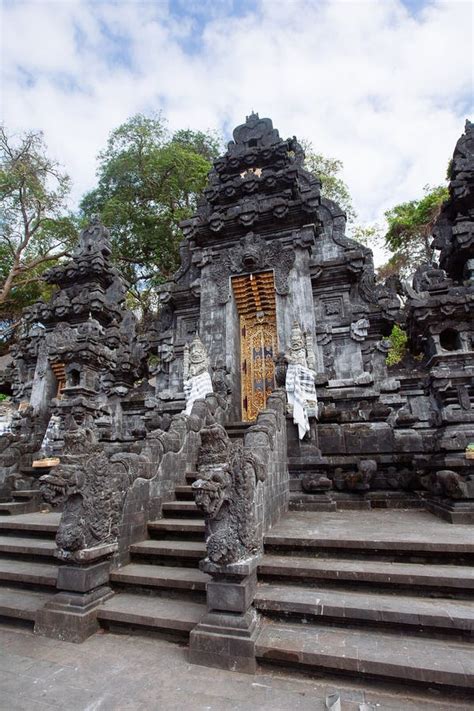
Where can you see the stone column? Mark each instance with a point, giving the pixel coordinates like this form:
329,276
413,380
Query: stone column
226,635
71,615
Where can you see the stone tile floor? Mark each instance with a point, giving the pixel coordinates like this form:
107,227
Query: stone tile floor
133,673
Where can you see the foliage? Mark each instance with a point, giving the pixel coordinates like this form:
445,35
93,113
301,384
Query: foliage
398,346
332,185
148,181
370,235
36,232
408,236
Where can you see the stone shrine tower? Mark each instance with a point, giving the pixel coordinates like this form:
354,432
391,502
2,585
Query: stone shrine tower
262,252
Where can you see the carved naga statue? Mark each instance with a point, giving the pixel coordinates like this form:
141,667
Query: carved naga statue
225,491
196,376
300,380
92,487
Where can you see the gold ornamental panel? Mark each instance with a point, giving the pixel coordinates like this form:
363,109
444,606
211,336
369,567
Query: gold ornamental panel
255,299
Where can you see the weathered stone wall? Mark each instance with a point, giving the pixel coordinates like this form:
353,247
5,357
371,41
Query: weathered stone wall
267,440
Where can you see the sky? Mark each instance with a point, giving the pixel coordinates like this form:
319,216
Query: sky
383,85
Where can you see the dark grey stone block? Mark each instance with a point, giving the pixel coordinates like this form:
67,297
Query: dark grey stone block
83,578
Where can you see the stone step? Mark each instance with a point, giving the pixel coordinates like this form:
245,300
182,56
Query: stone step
152,612
375,608
33,573
46,523
173,549
411,532
14,508
177,525
27,494
27,546
237,430
161,576
184,492
406,659
456,577
236,433
21,604
182,508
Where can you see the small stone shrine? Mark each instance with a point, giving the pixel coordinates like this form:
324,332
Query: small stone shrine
263,381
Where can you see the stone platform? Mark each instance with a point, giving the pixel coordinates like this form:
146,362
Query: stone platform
387,529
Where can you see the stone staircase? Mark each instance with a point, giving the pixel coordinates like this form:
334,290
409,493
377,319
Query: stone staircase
28,569
162,588
383,610
401,615
341,603
24,501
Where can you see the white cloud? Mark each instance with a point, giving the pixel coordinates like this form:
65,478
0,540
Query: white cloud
367,82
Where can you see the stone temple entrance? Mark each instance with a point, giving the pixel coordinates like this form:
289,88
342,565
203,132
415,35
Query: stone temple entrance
255,301
176,520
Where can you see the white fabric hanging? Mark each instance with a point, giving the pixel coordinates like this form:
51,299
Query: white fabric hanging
196,388
301,393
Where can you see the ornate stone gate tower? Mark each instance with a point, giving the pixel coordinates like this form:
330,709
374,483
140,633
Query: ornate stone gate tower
264,252
245,274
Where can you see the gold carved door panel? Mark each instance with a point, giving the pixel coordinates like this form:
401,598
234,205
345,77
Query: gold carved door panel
255,299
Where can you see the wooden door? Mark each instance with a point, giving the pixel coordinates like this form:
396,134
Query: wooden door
255,299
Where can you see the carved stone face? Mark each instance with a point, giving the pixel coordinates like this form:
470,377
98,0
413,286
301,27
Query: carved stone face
197,352
250,252
57,487
297,339
212,489
360,329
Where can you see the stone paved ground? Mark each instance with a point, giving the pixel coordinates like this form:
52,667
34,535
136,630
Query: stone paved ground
131,673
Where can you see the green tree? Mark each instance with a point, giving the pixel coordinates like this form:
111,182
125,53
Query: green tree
148,181
35,229
408,237
328,171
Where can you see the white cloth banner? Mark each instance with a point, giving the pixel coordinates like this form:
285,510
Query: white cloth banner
197,388
301,393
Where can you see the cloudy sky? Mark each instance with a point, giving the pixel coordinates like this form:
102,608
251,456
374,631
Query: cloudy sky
383,85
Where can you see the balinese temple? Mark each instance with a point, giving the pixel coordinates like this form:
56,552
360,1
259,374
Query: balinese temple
247,471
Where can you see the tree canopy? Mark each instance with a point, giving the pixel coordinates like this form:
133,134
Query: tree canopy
328,171
36,229
148,181
409,228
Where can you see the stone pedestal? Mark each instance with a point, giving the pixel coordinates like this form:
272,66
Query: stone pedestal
71,615
225,637
450,510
